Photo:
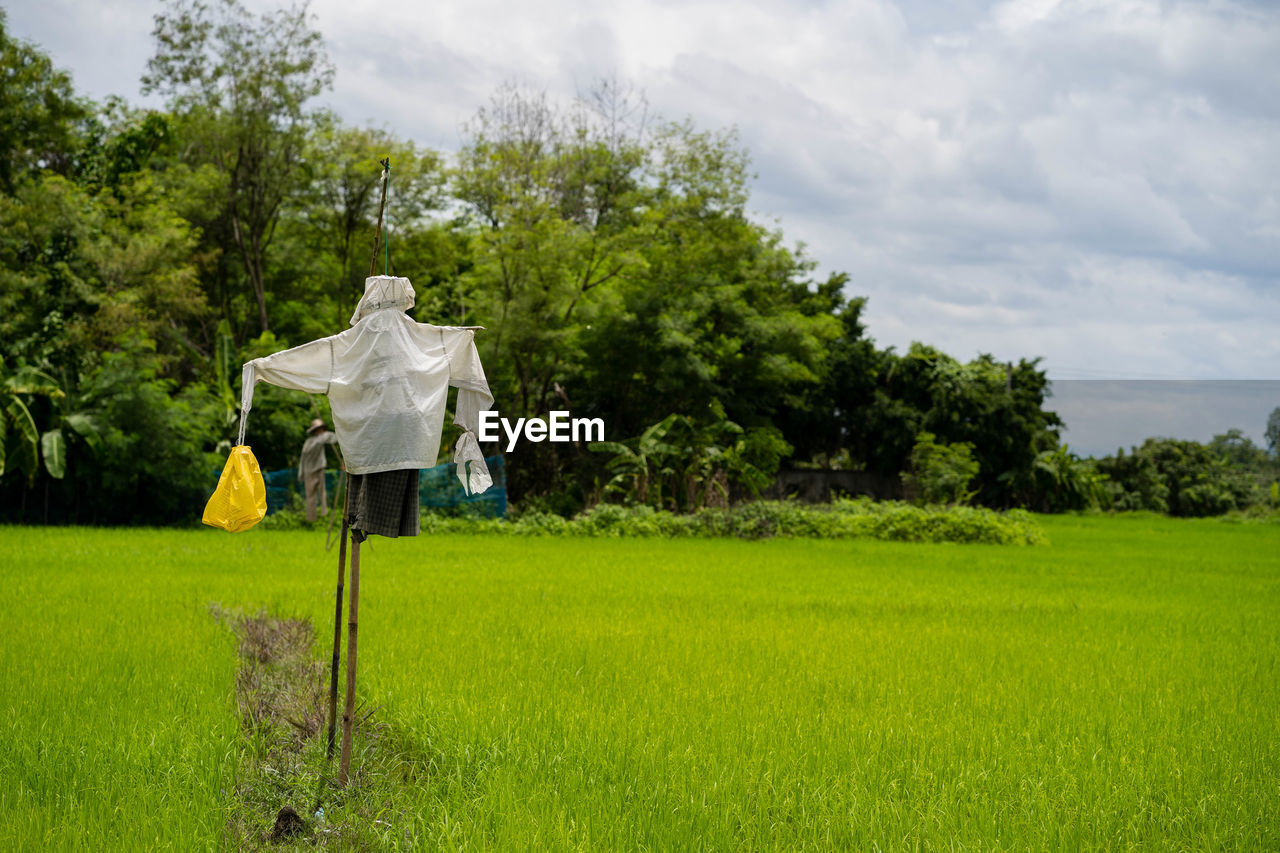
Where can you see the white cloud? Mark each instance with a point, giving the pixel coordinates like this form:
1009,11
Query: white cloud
1094,181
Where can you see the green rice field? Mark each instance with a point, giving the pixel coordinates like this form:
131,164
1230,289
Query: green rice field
1118,689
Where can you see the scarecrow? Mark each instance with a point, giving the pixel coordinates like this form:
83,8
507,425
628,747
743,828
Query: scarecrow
387,379
311,465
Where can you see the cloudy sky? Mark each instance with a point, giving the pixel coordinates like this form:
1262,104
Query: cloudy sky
1096,182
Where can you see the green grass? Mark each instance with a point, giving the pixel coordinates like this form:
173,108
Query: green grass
1117,689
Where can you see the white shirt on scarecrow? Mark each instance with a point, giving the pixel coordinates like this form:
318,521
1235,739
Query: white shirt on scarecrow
388,379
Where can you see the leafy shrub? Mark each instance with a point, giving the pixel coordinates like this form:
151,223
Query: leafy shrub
542,524
152,463
1182,478
611,520
940,473
1203,499
432,523
1253,514
844,519
293,516
898,521
765,519
1134,483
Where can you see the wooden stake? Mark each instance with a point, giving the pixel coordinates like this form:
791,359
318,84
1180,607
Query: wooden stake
382,204
348,713
337,630
349,710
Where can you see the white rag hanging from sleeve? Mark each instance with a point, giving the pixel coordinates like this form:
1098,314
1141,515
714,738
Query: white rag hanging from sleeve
388,379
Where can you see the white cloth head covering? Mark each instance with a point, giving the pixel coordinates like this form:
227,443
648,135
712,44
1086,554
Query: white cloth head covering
383,291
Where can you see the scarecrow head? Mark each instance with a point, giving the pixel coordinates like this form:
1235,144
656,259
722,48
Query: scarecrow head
383,291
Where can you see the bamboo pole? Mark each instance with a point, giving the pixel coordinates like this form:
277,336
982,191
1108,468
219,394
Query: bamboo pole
346,503
382,203
348,712
337,628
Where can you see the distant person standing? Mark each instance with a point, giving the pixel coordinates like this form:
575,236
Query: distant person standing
311,467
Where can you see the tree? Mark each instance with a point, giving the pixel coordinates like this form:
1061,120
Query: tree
554,194
339,201
144,255
1183,478
121,143
614,264
71,422
641,465
78,270
1239,451
1273,431
1134,481
825,421
241,83
997,408
717,312
40,113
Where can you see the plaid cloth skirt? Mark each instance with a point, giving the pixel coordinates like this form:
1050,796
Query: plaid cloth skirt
385,503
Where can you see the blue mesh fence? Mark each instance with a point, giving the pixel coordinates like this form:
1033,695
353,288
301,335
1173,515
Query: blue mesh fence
283,485
438,488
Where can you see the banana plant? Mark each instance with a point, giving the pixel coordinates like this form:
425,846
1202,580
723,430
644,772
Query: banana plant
679,465
54,441
640,465
20,440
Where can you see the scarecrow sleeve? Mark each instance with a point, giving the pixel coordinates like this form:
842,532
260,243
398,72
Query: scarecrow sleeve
305,368
467,375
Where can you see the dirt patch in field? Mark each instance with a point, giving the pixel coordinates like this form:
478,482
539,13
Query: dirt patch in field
282,704
280,684
282,697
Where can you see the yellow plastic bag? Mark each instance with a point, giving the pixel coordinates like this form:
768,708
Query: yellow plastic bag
240,501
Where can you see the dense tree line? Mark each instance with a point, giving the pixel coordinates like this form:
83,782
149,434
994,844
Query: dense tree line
1187,478
145,254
